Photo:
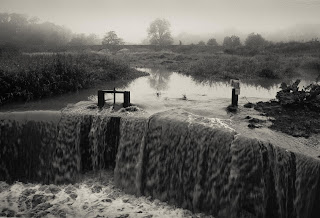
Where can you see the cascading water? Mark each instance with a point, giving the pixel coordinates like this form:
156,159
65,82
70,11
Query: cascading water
56,152
197,163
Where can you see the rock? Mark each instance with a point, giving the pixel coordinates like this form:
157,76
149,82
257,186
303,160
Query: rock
247,117
231,108
255,120
249,105
252,126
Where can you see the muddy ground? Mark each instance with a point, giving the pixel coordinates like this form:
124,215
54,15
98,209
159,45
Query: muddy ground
295,121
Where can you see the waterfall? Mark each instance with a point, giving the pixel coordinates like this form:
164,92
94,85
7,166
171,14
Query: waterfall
193,162
47,151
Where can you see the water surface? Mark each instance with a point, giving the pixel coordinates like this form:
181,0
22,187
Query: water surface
162,89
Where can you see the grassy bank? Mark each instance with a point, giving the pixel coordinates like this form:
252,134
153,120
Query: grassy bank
27,77
218,65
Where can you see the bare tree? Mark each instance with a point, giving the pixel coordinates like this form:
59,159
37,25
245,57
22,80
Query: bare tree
159,32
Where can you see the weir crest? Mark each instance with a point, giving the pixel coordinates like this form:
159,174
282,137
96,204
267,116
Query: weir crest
193,162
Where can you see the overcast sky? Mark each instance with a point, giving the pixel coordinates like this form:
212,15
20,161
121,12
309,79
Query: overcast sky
130,18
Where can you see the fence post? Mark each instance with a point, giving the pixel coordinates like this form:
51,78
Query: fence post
234,100
114,95
126,99
100,98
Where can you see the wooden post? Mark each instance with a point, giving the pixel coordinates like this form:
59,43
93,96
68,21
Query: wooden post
100,98
234,100
126,99
114,96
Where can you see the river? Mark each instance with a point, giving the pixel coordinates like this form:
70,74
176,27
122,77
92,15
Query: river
163,90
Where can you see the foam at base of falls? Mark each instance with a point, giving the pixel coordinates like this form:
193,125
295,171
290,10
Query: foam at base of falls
193,162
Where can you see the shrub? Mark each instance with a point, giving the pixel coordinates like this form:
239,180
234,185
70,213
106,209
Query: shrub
290,95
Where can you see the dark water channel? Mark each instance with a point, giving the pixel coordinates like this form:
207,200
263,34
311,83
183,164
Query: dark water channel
160,89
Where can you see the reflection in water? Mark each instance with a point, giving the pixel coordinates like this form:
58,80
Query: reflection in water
159,79
163,88
175,85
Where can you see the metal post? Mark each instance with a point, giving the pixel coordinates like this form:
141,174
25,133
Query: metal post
126,99
114,96
234,99
100,98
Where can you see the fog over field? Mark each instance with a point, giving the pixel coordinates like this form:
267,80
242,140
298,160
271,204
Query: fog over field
191,21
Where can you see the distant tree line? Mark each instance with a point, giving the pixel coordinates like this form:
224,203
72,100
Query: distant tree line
19,29
159,33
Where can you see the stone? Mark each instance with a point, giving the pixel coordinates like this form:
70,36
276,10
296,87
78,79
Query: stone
248,105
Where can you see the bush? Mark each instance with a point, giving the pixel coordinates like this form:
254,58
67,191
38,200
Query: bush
290,95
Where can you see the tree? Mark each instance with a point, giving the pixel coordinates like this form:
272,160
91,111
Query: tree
255,41
201,43
18,29
231,42
159,32
111,38
212,42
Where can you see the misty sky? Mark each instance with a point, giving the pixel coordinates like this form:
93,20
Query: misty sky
131,18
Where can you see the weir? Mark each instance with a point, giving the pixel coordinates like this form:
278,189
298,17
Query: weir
196,163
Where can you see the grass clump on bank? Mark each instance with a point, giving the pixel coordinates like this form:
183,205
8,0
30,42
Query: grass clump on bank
28,77
222,66
296,112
